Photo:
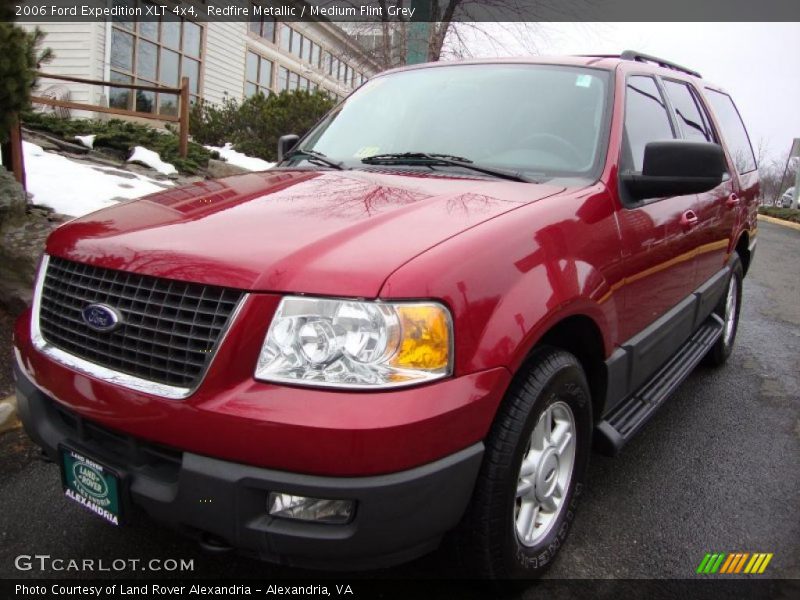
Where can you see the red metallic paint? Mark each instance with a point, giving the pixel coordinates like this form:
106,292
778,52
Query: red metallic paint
541,254
316,232
324,432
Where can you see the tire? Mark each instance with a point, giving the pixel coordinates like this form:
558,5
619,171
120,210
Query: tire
493,540
728,310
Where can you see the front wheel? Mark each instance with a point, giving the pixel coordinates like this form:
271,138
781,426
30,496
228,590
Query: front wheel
533,470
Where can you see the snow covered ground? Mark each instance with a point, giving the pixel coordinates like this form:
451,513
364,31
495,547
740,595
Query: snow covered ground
152,160
75,188
250,163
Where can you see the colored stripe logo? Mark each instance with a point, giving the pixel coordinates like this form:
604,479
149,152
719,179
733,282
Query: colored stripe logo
734,563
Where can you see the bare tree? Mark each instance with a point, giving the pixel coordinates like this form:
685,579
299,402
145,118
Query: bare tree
453,28
776,176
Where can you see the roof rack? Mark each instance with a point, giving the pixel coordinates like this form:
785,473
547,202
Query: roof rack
642,57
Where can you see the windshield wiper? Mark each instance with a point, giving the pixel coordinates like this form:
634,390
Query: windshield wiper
431,159
319,157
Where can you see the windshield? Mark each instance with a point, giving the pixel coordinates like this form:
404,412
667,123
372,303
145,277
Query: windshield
539,120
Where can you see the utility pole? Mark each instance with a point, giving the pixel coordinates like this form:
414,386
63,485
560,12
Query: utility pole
795,153
419,33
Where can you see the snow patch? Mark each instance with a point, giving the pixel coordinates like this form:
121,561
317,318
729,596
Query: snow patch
76,188
86,140
152,160
238,159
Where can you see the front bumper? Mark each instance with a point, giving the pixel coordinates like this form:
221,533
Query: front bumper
399,516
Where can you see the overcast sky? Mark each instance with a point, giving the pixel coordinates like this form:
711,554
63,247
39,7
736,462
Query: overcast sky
757,63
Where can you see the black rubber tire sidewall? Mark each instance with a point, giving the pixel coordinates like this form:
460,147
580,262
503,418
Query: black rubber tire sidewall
491,546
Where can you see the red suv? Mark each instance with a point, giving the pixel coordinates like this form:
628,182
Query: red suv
415,326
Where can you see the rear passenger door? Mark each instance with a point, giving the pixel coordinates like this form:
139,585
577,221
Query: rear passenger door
715,209
658,234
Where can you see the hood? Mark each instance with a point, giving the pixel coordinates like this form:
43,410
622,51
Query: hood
321,232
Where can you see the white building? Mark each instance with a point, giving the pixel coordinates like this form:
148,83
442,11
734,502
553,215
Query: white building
233,59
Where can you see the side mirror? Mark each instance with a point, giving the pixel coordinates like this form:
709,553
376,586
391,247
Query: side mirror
286,143
676,168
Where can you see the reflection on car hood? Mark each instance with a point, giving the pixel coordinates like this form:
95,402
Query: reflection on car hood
323,232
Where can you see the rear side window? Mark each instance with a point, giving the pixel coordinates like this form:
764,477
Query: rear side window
733,131
691,116
646,120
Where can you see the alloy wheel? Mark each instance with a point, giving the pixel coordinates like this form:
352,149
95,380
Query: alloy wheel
545,473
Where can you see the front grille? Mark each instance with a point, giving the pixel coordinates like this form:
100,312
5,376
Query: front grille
169,328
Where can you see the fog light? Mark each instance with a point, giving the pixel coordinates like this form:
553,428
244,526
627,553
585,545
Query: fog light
302,508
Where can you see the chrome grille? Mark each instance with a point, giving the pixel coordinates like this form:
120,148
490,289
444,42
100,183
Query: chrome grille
169,329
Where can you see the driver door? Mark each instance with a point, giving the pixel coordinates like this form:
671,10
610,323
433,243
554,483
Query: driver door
658,237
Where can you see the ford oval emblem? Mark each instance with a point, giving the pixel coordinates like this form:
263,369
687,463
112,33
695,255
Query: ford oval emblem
101,317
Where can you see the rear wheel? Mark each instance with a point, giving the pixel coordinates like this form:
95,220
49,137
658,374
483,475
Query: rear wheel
533,470
728,310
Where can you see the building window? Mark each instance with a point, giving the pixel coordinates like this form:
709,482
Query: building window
154,53
326,62
315,53
297,43
286,38
258,75
263,26
283,79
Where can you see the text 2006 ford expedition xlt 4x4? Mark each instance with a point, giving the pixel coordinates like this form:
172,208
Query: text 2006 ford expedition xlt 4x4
417,325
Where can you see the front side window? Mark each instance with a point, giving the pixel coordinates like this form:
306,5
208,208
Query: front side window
646,120
540,120
733,131
154,53
691,115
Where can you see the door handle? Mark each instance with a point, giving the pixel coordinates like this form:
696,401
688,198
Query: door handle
732,201
689,219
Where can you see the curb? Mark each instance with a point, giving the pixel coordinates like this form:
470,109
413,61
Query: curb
8,414
783,222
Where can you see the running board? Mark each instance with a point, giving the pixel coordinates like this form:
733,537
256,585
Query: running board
630,415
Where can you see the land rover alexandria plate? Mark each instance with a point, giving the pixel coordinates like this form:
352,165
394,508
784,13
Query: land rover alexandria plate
90,484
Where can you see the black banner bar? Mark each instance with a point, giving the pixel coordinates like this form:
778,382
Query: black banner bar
409,10
739,588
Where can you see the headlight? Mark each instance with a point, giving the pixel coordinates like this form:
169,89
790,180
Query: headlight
347,343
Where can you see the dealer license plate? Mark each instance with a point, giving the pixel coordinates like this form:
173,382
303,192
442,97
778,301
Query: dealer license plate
91,484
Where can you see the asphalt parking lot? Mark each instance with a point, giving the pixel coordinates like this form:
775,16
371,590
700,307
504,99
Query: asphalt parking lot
717,470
